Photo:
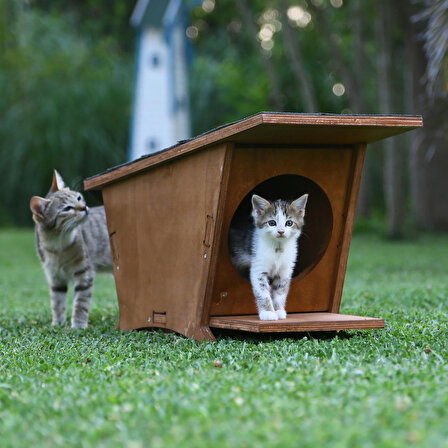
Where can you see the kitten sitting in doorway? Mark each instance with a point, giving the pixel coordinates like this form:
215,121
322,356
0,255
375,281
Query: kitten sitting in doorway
269,252
72,243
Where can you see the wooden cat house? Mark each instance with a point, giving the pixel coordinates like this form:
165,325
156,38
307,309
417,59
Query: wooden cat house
169,216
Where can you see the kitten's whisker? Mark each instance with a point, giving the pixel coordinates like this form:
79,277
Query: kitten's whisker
67,226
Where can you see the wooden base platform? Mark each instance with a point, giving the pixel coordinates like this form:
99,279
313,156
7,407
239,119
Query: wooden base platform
296,322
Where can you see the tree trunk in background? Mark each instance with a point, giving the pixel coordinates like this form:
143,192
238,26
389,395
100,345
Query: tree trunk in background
430,168
365,191
293,52
352,79
417,62
348,77
429,158
276,97
394,191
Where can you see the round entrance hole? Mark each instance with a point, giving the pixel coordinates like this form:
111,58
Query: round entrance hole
316,233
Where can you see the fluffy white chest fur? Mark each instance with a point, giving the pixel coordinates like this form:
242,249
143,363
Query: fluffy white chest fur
276,257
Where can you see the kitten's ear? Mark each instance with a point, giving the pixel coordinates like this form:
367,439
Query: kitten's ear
57,184
37,206
299,204
259,204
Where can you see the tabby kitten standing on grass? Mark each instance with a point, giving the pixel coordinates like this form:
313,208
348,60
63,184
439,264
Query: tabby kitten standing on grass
72,243
269,252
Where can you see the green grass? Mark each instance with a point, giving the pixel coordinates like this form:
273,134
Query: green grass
102,387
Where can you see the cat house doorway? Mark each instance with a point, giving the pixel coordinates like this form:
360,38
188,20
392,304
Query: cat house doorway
285,171
318,227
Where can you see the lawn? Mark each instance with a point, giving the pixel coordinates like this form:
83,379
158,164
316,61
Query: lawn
102,387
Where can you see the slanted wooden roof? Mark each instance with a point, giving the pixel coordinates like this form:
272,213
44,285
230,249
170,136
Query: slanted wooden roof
274,128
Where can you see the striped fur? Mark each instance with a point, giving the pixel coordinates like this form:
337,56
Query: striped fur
267,253
72,243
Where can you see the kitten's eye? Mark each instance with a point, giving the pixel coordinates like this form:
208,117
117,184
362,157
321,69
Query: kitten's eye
67,208
272,223
79,198
289,223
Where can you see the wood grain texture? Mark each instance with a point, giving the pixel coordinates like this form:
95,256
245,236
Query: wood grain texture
275,128
354,183
297,322
214,251
331,170
158,221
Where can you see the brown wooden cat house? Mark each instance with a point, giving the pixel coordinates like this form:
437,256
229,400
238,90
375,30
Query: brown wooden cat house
169,216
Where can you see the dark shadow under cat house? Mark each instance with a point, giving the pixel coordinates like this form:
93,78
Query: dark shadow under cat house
169,217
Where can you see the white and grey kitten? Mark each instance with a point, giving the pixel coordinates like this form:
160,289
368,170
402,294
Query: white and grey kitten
269,252
72,243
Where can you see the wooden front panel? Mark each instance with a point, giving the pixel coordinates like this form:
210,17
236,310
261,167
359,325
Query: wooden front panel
332,170
161,224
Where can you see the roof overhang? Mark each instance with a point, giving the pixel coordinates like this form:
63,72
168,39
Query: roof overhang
272,128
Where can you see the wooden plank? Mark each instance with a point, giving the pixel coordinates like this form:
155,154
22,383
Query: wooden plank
342,120
359,153
214,251
275,128
297,322
160,221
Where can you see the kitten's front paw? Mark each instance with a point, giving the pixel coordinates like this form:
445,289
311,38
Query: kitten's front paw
268,315
281,314
58,322
82,325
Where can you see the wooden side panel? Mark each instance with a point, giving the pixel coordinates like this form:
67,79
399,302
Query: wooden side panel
223,194
359,153
162,226
330,169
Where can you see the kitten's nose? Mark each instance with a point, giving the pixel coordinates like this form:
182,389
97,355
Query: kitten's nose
280,232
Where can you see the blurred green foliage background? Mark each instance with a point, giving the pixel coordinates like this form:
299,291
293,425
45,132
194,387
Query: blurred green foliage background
66,91
67,68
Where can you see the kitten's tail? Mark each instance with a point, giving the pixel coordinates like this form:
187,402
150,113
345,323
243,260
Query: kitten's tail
239,246
241,260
